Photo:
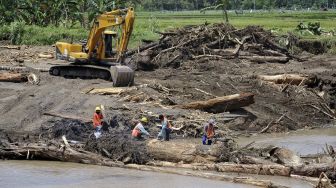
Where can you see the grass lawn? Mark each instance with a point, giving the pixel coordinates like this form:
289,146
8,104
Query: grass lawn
148,22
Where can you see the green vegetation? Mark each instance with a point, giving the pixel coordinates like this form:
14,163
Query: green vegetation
148,22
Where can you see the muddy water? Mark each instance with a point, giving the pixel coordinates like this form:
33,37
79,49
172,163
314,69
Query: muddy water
57,174
302,141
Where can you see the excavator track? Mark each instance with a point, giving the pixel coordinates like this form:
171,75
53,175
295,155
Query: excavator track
119,74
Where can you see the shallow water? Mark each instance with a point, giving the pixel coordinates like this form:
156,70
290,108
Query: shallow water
59,174
303,141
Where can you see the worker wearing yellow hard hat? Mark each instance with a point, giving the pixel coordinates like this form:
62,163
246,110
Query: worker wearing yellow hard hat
139,129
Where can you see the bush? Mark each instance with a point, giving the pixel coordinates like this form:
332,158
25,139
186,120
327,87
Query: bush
36,35
4,32
16,30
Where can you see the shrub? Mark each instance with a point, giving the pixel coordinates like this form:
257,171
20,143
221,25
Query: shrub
4,32
16,30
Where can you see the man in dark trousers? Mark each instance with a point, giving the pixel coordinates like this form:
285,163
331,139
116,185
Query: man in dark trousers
209,132
166,128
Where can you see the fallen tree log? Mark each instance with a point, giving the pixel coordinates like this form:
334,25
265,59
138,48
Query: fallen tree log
141,48
178,152
45,56
208,175
84,120
109,91
279,170
11,47
314,170
13,77
266,59
260,169
8,68
293,79
221,104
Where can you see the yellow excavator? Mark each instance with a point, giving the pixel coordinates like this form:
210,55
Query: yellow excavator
103,54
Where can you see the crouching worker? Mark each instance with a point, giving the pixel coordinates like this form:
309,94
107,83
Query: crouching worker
209,132
165,129
139,129
97,121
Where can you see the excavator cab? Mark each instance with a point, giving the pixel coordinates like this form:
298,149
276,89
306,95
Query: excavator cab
103,54
110,40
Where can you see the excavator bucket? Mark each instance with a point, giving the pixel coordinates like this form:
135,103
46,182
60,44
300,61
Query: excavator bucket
122,75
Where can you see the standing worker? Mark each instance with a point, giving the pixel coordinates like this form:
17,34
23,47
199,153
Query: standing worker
209,132
165,129
139,129
97,121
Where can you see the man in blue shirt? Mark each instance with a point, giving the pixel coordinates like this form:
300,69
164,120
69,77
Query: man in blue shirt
166,128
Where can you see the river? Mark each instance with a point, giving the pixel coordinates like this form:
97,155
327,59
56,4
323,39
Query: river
50,174
303,142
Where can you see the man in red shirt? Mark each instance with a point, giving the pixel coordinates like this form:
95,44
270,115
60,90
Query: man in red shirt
97,119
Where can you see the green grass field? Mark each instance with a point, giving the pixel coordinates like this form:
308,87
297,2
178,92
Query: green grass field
148,22
278,22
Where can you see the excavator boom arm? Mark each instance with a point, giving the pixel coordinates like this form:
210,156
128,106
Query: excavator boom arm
123,17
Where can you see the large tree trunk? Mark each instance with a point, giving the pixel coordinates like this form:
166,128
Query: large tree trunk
13,77
266,59
278,170
293,79
261,169
314,170
179,152
209,175
221,104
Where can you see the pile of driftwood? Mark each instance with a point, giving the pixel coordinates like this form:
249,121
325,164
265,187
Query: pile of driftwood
218,41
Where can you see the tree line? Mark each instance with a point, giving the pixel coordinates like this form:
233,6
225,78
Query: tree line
56,12
236,4
69,12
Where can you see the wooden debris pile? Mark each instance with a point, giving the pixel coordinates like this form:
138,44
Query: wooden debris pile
218,41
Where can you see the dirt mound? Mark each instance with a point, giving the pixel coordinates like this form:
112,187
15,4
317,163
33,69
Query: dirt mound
218,41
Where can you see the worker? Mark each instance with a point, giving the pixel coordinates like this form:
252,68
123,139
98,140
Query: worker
209,132
139,129
97,121
165,128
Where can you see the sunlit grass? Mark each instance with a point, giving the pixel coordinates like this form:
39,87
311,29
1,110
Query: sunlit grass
148,22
